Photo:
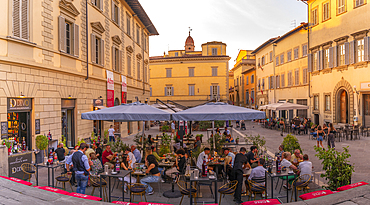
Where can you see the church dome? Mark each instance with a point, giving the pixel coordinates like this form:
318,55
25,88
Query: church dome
189,41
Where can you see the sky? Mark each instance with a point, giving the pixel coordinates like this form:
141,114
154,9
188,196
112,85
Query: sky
241,24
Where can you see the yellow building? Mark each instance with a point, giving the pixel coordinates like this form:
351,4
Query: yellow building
244,77
45,81
290,79
339,60
231,87
249,76
191,77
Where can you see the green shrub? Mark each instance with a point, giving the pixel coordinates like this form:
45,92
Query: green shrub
291,143
42,142
220,142
259,142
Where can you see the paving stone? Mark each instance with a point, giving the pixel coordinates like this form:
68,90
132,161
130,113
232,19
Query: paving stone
361,201
347,203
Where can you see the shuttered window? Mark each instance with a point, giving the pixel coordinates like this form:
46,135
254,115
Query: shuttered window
277,61
138,70
115,12
116,59
21,19
68,37
263,84
191,90
129,64
341,6
314,17
296,76
191,72
214,51
342,54
277,81
282,80
289,56
315,61
168,72
214,71
128,25
296,52
326,58
138,34
325,11
281,58
359,3
98,4
97,50
304,50
360,50
290,78
305,75
252,79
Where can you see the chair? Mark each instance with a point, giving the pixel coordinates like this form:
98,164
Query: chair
137,189
255,187
186,192
227,189
95,183
301,182
28,169
64,178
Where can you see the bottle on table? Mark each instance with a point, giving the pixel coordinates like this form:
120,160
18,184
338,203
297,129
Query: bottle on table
278,165
117,164
204,167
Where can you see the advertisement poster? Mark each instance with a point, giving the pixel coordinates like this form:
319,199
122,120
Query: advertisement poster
15,163
110,89
124,89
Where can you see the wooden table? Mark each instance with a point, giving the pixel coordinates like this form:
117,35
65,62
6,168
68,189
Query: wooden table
138,174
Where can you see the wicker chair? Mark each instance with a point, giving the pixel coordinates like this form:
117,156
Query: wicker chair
301,182
228,189
186,192
95,183
28,169
137,189
255,187
64,178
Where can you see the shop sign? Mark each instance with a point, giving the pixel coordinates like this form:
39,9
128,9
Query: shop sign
110,89
37,126
365,85
4,130
98,102
124,90
15,163
19,104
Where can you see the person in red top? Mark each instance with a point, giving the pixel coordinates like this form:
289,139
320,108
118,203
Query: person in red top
107,156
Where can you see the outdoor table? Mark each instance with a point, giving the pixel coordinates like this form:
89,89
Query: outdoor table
216,165
121,174
138,173
202,179
283,174
50,166
165,166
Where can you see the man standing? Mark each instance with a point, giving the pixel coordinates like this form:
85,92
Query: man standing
61,153
111,134
201,156
108,156
239,164
80,167
136,153
197,144
230,154
173,128
251,156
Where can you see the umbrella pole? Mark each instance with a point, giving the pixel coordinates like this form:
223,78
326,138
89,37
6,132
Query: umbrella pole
142,141
213,129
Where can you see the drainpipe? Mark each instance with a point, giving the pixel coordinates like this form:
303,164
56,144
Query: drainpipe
87,43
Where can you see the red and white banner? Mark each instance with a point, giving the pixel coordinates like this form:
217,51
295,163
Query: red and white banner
110,89
124,89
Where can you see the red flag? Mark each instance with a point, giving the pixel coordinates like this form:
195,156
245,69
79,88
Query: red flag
262,92
259,65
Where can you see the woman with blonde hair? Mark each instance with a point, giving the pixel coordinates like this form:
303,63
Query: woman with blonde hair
95,164
287,164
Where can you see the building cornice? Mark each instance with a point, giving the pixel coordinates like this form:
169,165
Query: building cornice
189,59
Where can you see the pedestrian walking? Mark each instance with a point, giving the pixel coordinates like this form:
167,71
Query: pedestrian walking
81,167
320,137
111,134
331,137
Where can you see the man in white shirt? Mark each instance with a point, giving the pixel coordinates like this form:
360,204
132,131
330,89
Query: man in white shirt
173,127
111,134
131,157
305,167
258,172
201,156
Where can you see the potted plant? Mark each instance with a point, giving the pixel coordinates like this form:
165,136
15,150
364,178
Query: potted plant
42,143
291,143
105,137
237,140
258,141
338,171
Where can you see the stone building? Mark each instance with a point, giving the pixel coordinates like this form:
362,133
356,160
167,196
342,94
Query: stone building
45,81
190,77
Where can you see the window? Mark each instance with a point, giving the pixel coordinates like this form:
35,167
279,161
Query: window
316,102
252,79
304,50
168,72
145,42
305,75
247,80
97,49
289,56
252,96
138,34
359,3
296,52
296,77
341,6
129,64
263,84
68,37
342,54
98,3
115,12
327,102
326,58
282,80
168,91
360,50
271,83
263,60
214,90
145,73
281,58
128,24
325,11
150,92
191,72
247,97
138,70
290,78
315,59
270,56
277,81
214,51
191,90
314,17
116,59
259,84
214,71
176,54
237,81
277,61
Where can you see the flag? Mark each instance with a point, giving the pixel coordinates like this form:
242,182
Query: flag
252,100
262,92
259,66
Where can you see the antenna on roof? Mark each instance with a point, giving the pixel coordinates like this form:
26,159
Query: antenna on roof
190,30
293,23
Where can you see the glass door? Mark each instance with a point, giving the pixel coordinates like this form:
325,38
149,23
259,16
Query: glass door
68,126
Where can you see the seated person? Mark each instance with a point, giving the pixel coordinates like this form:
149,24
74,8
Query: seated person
154,152
205,155
296,157
229,139
152,172
107,157
95,164
305,167
251,156
177,145
257,173
179,165
197,144
150,140
287,164
230,154
131,156
281,151
126,165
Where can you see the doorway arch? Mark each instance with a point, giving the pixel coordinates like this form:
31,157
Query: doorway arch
116,102
343,103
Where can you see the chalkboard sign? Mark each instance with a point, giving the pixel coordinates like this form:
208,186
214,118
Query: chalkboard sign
15,162
37,126
4,130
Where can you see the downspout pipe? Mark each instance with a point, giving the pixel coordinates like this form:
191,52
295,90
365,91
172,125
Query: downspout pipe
87,42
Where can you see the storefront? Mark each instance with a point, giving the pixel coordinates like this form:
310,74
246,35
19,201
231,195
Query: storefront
68,121
98,124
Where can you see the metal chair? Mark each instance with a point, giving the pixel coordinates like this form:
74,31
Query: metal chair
255,187
64,178
137,189
301,182
28,169
95,183
227,189
186,192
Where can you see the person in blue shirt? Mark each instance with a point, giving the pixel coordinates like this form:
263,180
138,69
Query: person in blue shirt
230,154
136,153
81,167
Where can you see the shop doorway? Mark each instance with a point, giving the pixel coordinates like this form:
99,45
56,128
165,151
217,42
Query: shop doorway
19,127
68,127
343,103
317,119
366,111
98,127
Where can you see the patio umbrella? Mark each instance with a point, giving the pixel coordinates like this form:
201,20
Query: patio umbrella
218,111
286,106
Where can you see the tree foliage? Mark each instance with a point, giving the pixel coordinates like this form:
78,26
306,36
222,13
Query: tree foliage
259,142
291,143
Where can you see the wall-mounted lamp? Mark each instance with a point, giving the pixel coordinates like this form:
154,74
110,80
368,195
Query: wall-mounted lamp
69,96
100,97
21,96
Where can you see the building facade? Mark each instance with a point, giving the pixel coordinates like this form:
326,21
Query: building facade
56,62
190,77
339,61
